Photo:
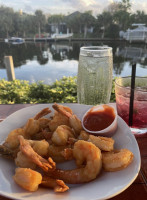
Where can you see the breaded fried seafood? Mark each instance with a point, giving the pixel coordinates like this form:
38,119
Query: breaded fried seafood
47,139
116,160
83,152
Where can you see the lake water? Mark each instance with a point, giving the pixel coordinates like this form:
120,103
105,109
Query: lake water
50,61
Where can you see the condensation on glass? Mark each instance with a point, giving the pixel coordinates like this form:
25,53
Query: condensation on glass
95,75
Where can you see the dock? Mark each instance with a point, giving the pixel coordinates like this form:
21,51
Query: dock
75,40
70,39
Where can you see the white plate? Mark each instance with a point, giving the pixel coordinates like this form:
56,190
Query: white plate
107,185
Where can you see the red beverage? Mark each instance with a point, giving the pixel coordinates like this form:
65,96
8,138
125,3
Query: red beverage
122,92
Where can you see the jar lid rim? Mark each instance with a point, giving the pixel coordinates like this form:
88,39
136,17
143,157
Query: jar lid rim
96,48
96,51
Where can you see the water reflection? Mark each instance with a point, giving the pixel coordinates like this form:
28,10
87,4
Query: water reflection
51,61
134,53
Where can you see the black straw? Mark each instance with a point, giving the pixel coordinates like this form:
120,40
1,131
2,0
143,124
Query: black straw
132,94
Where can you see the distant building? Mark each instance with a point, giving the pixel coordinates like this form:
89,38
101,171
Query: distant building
137,34
58,28
63,28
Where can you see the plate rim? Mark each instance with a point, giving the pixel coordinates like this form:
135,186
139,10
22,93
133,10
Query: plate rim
74,104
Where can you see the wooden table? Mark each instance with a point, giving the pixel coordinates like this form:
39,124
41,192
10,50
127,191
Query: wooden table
137,191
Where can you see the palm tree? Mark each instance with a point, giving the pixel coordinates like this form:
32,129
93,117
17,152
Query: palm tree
103,21
87,20
40,21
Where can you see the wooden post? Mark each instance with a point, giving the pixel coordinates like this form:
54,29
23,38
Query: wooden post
8,60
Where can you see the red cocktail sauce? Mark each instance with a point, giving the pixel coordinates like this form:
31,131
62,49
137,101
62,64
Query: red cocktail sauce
99,119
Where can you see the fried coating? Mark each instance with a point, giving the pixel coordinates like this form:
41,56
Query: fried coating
59,118
104,143
27,178
23,161
62,134
12,141
41,147
56,184
74,121
83,152
42,142
83,135
116,160
26,148
31,127
57,153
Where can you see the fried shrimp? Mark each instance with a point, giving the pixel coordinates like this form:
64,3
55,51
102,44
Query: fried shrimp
56,184
40,147
83,135
31,127
43,123
59,119
57,153
42,113
68,154
43,141
116,160
23,161
26,148
35,124
12,141
104,143
74,122
62,134
27,178
83,152
45,133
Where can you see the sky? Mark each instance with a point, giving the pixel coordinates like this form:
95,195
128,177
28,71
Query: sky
67,6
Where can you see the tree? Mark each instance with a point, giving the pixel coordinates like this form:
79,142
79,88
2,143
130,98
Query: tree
140,17
125,5
73,22
103,21
28,25
80,22
40,21
122,14
6,21
55,20
87,20
122,18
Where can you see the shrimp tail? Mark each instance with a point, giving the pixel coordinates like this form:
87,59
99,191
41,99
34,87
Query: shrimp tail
37,159
42,113
56,184
61,110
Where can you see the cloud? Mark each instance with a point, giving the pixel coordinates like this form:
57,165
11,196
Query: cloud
67,6
28,9
141,5
83,5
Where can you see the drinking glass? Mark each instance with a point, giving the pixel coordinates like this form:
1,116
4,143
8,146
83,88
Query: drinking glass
123,92
94,81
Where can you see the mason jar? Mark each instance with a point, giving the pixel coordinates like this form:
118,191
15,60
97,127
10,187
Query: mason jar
94,81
